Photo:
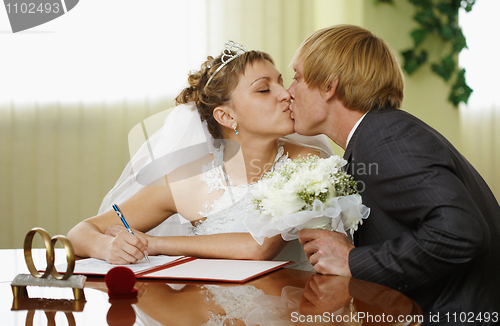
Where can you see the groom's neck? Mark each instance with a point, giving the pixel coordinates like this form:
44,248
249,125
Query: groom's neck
342,120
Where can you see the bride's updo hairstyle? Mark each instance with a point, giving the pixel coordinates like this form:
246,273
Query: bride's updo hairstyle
218,92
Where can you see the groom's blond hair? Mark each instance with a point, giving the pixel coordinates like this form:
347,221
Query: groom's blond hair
367,69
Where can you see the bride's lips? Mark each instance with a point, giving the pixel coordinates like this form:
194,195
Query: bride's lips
289,111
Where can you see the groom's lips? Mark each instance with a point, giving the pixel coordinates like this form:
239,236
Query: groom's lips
289,111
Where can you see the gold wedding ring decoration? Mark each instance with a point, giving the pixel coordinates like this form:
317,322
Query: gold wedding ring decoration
50,254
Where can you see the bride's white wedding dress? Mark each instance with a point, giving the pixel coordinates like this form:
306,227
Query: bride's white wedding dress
227,213
182,140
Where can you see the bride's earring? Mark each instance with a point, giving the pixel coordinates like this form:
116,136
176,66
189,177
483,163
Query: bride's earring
234,128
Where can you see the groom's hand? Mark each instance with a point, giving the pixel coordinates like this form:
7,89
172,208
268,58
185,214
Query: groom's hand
327,251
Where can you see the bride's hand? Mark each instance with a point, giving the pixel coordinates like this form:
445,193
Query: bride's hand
125,248
113,231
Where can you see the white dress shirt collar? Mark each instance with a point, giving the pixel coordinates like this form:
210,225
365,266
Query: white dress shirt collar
353,130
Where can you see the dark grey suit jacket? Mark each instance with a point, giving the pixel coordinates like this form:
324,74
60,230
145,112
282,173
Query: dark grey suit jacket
434,228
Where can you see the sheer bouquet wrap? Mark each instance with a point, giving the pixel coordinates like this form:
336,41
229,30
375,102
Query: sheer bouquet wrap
308,192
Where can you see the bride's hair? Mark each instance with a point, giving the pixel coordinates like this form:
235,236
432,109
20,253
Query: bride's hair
218,92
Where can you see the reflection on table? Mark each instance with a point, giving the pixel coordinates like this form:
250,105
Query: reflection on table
283,297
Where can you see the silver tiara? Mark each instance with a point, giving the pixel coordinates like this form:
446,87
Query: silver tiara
228,56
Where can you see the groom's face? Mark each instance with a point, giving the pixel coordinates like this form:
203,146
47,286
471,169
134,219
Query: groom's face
306,106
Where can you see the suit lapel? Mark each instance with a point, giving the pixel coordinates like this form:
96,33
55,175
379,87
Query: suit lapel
348,154
351,162
348,157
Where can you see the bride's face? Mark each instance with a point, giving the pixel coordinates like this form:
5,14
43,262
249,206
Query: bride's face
261,104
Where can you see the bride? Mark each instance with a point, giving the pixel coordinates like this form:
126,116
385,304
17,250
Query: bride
231,126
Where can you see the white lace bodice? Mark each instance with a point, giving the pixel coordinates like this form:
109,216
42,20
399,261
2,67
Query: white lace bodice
226,213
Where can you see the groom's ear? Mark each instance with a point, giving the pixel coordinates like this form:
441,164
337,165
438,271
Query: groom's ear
223,116
331,89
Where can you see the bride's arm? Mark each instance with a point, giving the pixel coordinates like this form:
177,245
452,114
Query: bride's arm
104,237
223,245
143,211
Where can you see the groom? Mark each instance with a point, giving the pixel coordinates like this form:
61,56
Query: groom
434,228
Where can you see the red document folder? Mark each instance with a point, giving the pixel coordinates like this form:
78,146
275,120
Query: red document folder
185,268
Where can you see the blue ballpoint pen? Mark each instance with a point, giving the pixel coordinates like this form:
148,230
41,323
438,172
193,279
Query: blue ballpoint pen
120,215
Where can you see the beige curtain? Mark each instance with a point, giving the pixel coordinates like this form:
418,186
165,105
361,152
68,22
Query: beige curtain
480,130
58,160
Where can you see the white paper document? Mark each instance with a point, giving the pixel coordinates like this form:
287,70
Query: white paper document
225,270
183,268
93,266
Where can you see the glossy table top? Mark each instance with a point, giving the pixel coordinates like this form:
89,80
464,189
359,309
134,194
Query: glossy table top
283,297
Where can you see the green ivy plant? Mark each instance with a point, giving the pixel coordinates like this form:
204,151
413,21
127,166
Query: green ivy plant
439,17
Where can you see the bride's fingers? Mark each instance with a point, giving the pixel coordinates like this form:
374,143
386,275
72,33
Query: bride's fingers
142,237
118,256
127,247
137,245
113,230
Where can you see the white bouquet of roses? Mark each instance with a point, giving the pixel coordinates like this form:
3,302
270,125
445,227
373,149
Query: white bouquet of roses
308,192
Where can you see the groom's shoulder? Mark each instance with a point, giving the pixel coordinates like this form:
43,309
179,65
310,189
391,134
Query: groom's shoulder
389,125
390,114
387,119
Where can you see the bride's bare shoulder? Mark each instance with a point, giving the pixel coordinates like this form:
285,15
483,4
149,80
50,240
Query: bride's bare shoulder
190,189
